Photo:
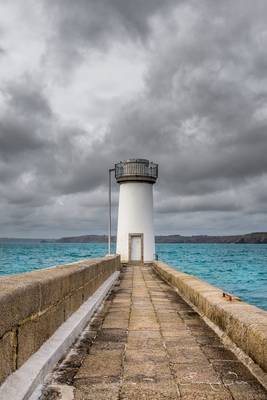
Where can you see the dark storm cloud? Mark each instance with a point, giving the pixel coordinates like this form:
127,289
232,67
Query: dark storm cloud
26,111
204,91
83,26
27,98
40,159
16,138
221,201
202,116
26,144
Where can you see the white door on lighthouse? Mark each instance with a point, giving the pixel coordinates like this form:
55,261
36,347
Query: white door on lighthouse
136,248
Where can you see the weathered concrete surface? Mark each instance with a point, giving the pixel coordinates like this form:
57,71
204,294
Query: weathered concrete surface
35,304
148,343
244,324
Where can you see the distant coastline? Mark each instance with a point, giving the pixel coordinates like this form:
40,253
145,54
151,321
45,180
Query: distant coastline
250,238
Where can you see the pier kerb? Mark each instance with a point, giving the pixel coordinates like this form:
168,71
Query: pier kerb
35,304
244,324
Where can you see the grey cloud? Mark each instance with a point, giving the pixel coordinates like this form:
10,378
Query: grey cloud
202,116
82,26
27,99
40,159
26,114
16,138
225,139
220,202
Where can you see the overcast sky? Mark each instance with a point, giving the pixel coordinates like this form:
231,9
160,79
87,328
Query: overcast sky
86,83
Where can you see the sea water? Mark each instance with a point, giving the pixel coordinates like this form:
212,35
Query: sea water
240,269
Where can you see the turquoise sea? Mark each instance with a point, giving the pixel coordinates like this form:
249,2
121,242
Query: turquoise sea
240,269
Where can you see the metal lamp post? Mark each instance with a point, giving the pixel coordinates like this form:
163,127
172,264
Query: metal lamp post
109,208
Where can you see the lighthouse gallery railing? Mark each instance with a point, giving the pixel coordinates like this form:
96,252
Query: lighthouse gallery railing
136,168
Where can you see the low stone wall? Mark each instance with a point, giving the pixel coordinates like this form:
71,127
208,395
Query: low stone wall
244,324
33,305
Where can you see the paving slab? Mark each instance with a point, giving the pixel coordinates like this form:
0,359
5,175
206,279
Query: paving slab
161,390
204,391
99,391
247,391
101,363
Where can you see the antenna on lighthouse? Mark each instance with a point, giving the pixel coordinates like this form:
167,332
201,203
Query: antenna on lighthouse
135,233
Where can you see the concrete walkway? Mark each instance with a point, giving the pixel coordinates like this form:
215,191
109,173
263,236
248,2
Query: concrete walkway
149,344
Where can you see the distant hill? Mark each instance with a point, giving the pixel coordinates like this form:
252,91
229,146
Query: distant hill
19,240
86,239
256,238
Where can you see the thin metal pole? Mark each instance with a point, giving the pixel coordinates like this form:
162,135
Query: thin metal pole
109,209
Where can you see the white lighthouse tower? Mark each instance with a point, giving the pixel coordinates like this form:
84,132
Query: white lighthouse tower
135,235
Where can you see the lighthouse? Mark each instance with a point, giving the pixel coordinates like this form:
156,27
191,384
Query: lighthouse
135,234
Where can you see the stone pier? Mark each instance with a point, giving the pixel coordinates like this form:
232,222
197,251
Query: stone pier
148,343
